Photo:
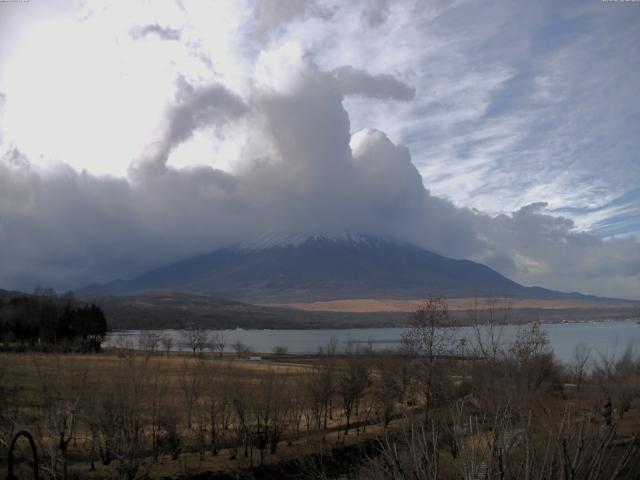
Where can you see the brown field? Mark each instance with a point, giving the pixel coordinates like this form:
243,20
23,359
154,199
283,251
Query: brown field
370,305
76,381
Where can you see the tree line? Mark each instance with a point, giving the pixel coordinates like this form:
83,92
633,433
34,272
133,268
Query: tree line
46,321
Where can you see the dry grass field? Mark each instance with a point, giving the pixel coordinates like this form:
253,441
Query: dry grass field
72,396
369,305
126,414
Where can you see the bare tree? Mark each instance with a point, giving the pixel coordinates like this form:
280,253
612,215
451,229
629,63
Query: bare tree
196,338
63,387
280,350
532,359
352,384
126,408
513,449
313,397
298,405
430,334
619,376
217,402
579,366
488,319
241,401
330,348
219,342
281,411
386,389
167,344
241,349
149,341
191,380
329,374
10,401
262,411
156,401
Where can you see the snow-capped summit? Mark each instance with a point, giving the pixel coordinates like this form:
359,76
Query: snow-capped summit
289,240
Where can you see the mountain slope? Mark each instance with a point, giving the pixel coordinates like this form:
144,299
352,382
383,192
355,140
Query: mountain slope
310,268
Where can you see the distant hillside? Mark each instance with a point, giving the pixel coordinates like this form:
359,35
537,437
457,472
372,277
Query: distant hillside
315,268
175,311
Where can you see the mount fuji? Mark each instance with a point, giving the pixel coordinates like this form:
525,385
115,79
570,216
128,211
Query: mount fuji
307,268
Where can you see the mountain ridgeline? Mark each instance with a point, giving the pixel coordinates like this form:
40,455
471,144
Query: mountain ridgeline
322,267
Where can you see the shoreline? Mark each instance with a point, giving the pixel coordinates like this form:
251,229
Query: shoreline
239,329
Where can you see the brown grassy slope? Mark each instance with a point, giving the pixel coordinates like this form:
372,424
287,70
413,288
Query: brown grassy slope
366,305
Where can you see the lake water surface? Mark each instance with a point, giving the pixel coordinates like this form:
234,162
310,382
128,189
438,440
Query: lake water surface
604,337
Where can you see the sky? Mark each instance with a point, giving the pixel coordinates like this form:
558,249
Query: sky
135,133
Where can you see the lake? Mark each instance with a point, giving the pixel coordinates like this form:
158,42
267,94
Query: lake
610,337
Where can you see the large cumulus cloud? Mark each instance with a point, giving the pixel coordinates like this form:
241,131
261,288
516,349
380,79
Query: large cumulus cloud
302,171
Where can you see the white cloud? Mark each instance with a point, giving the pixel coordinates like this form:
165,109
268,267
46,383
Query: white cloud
496,112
